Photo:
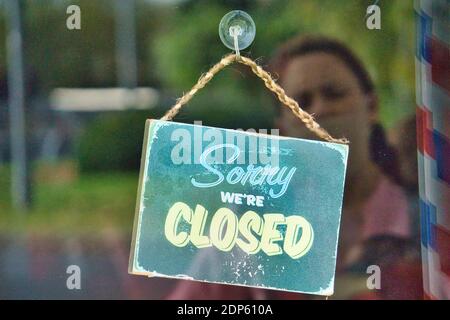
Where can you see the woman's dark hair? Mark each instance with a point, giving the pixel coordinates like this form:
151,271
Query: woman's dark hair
381,152
303,45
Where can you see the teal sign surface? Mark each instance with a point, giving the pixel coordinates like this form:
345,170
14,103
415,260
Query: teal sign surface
237,207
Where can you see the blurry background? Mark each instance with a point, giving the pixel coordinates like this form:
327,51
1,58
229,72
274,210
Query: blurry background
87,95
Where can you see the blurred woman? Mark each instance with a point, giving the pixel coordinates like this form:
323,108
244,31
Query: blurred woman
328,81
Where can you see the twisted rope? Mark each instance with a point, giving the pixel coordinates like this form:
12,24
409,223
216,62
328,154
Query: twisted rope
290,103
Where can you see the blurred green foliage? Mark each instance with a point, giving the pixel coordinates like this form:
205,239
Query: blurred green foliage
192,44
90,204
80,58
178,41
112,142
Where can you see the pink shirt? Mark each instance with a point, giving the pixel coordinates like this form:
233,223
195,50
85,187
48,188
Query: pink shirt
386,211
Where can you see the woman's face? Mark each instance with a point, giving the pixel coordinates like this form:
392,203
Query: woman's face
324,86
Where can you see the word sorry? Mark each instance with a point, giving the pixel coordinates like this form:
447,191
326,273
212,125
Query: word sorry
259,175
226,231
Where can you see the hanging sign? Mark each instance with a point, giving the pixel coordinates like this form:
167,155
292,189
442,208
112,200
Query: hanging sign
236,207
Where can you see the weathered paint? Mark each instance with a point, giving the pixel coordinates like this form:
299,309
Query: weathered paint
314,192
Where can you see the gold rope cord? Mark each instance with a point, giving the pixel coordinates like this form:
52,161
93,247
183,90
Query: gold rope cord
304,116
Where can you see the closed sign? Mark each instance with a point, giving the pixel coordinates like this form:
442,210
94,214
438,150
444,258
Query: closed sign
238,207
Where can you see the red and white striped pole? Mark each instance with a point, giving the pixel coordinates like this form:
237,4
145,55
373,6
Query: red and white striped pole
433,143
